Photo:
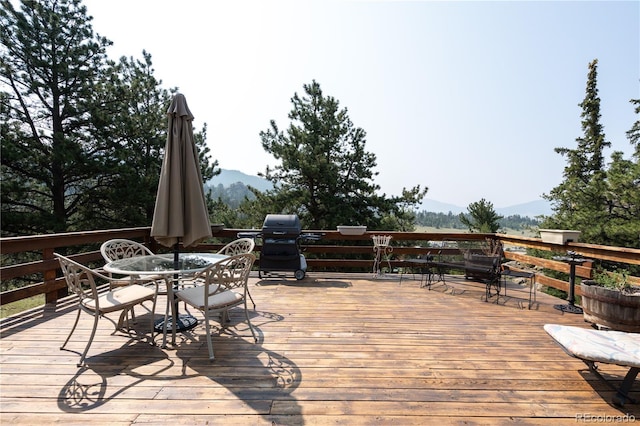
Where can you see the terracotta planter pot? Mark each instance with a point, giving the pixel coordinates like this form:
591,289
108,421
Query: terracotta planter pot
610,308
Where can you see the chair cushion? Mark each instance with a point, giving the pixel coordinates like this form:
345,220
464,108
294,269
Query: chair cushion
128,280
125,296
195,297
607,346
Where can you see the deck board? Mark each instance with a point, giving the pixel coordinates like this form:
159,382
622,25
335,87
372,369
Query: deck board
339,349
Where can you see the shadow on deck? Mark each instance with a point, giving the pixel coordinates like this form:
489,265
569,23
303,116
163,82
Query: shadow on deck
333,349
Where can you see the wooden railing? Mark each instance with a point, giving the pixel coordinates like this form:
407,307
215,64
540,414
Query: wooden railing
334,251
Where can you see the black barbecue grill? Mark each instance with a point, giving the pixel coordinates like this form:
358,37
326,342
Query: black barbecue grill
281,245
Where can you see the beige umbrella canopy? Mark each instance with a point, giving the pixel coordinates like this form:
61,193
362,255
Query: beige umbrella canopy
181,211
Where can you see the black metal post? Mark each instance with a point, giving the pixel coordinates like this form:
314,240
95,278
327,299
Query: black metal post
572,260
572,284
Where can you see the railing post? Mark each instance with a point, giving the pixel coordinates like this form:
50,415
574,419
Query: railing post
50,279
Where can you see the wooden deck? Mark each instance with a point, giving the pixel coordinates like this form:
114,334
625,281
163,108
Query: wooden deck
338,349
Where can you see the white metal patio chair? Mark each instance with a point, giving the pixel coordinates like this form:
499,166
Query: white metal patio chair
119,248
83,282
122,249
240,246
223,285
381,249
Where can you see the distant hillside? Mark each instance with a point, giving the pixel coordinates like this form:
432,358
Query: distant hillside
430,205
228,177
530,209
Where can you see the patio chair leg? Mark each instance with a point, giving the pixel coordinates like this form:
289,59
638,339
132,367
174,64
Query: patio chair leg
207,326
152,341
246,314
75,324
251,297
121,320
93,333
164,324
133,315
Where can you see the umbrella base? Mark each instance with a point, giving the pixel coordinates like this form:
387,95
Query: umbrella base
184,322
569,308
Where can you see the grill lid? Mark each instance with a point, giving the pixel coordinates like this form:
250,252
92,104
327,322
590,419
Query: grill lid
281,224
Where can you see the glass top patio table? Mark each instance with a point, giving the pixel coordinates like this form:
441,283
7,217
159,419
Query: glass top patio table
188,263
163,264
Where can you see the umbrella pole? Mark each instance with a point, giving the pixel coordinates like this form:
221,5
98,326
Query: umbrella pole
176,258
185,321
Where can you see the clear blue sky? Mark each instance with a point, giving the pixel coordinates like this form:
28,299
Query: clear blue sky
466,98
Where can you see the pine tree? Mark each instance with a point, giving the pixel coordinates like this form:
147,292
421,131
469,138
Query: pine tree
622,226
579,201
481,217
82,136
49,62
326,175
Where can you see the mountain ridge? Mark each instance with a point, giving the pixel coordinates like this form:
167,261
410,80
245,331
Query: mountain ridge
531,209
228,177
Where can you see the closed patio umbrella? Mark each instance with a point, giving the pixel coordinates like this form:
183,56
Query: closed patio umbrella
180,213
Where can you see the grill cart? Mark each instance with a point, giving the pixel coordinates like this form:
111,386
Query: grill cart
281,245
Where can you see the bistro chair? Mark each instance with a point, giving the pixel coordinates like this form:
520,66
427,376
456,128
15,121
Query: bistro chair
240,246
123,249
381,249
83,282
117,249
222,286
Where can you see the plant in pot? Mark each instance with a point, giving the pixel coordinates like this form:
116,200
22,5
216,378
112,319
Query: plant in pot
609,300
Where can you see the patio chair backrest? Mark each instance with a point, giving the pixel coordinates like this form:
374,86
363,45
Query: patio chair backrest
227,274
381,240
239,246
121,249
80,279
